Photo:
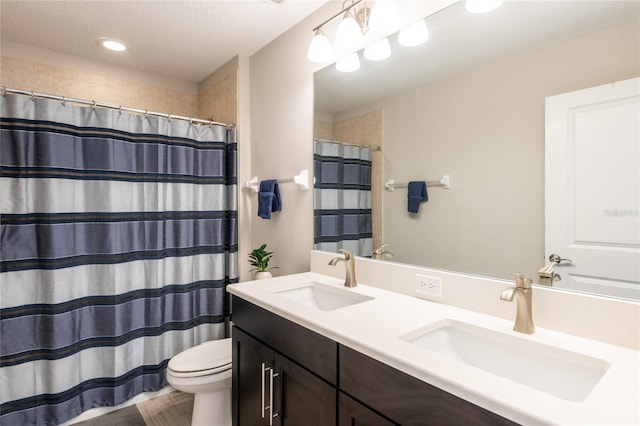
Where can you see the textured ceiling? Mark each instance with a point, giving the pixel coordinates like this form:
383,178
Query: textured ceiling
180,39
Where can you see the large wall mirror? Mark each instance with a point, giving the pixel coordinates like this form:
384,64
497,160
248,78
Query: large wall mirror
470,104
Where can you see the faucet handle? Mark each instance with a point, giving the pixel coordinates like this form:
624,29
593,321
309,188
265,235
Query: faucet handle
522,281
347,254
380,249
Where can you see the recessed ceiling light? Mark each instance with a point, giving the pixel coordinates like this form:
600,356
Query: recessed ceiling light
111,44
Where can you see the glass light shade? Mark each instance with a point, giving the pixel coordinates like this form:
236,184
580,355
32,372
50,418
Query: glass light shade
414,35
320,49
348,34
385,17
482,6
378,51
349,63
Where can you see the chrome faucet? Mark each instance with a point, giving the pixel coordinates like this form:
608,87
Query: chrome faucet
380,252
350,266
547,274
522,293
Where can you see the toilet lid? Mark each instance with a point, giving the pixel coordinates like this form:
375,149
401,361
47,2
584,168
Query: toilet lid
214,355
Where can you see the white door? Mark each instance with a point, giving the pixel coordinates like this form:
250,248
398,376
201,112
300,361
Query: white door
592,188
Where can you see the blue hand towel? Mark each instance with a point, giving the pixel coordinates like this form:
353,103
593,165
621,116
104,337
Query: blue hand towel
269,198
416,194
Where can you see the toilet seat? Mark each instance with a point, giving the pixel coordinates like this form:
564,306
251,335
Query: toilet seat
205,359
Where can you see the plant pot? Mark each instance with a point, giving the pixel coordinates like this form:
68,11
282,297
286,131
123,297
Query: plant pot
262,275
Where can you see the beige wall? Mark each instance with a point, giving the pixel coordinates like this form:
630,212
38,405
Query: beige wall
281,145
485,128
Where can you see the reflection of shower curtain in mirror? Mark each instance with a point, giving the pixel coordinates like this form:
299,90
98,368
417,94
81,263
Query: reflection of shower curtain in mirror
118,240
342,198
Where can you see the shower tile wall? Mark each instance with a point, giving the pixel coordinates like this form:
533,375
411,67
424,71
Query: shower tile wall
217,98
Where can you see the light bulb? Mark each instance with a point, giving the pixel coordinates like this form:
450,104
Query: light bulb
482,6
414,35
385,17
320,48
112,44
349,63
348,34
378,51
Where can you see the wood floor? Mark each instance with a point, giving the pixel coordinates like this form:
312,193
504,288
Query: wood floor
173,409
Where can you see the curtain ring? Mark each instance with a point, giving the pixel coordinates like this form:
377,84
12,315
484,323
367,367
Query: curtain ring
146,112
169,117
33,96
93,104
63,101
191,120
4,91
120,109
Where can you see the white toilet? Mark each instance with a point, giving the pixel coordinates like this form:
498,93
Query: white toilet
205,371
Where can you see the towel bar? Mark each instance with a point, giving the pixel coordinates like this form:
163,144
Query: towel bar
444,183
301,179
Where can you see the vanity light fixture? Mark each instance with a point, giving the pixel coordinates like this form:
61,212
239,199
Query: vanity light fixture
349,63
320,49
414,35
350,32
112,44
378,51
482,6
385,16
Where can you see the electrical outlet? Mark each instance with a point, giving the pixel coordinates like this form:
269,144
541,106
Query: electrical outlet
427,285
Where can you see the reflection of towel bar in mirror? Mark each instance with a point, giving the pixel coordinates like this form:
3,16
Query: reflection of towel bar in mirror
443,183
301,179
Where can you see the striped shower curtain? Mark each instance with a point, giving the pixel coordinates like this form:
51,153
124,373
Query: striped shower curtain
119,236
342,198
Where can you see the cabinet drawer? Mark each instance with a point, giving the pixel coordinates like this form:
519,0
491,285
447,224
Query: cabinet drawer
309,349
405,399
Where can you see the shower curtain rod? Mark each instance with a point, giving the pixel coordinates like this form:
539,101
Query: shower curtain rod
373,148
95,104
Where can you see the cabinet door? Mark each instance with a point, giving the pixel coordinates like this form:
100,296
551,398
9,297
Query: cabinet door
250,390
301,397
352,413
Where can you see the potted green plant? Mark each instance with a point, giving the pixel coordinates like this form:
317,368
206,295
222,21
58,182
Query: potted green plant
259,258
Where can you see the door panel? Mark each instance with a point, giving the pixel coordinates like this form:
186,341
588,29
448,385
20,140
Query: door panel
248,356
304,398
593,188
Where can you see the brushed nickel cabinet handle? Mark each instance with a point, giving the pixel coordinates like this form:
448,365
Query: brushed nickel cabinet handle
272,416
262,407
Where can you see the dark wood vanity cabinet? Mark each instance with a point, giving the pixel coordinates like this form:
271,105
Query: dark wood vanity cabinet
281,364
311,380
405,399
264,379
352,413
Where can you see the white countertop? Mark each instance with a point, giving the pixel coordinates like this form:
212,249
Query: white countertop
374,327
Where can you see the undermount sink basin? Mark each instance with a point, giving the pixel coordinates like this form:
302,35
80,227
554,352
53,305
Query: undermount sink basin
321,296
564,374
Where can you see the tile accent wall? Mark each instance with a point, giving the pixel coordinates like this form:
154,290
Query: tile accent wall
217,99
38,77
